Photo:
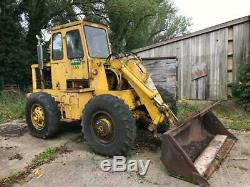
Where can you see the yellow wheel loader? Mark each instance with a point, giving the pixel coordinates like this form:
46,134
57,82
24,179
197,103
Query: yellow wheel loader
84,81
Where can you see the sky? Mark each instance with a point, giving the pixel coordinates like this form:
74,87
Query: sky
207,13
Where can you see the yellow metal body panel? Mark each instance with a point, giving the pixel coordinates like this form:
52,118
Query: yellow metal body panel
128,96
63,70
72,103
97,76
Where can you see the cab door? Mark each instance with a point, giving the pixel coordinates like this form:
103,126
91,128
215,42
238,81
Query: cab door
57,61
76,66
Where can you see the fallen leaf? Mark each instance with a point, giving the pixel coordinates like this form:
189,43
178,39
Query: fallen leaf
38,173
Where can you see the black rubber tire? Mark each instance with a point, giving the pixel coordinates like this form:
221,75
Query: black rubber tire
168,98
123,122
52,115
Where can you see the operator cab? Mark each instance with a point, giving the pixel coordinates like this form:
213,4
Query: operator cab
73,48
82,37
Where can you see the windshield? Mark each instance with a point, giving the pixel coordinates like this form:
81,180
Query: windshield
97,42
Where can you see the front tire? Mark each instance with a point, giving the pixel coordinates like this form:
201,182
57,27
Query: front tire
108,125
42,115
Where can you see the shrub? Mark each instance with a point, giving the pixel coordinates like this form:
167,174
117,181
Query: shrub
241,89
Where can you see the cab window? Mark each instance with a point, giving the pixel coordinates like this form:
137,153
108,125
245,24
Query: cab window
74,44
57,51
97,42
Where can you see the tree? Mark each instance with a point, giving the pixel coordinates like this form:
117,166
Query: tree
132,24
135,24
148,22
42,14
13,53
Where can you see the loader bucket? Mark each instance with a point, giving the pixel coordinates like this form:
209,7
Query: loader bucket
194,150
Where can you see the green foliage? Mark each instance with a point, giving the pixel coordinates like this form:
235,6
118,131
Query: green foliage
20,22
11,106
135,24
45,156
132,24
1,84
232,116
241,89
185,110
42,14
14,57
15,174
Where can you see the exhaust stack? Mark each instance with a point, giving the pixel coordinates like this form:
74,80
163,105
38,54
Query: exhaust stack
40,59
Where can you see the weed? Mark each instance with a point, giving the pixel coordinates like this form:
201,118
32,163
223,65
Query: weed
46,156
43,157
233,116
230,114
11,106
185,110
15,174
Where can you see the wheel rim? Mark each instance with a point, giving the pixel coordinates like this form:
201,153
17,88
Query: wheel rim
37,117
103,127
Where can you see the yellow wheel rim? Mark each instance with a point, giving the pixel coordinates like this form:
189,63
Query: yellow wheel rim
103,127
37,117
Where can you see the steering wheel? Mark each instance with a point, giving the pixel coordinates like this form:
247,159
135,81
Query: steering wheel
123,54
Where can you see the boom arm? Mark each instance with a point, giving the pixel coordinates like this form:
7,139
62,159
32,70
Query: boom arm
148,94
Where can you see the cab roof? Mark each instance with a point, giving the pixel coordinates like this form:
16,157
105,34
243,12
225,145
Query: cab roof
75,23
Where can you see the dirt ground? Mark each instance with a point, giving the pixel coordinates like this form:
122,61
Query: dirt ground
81,167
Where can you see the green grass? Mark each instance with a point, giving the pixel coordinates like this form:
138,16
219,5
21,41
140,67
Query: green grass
15,174
230,114
45,156
233,116
185,110
11,106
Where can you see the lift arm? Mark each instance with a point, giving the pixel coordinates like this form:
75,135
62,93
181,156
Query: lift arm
157,109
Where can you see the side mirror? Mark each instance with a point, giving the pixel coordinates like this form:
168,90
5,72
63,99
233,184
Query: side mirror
39,53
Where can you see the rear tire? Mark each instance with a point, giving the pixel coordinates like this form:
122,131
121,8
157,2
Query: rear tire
108,125
47,106
170,100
